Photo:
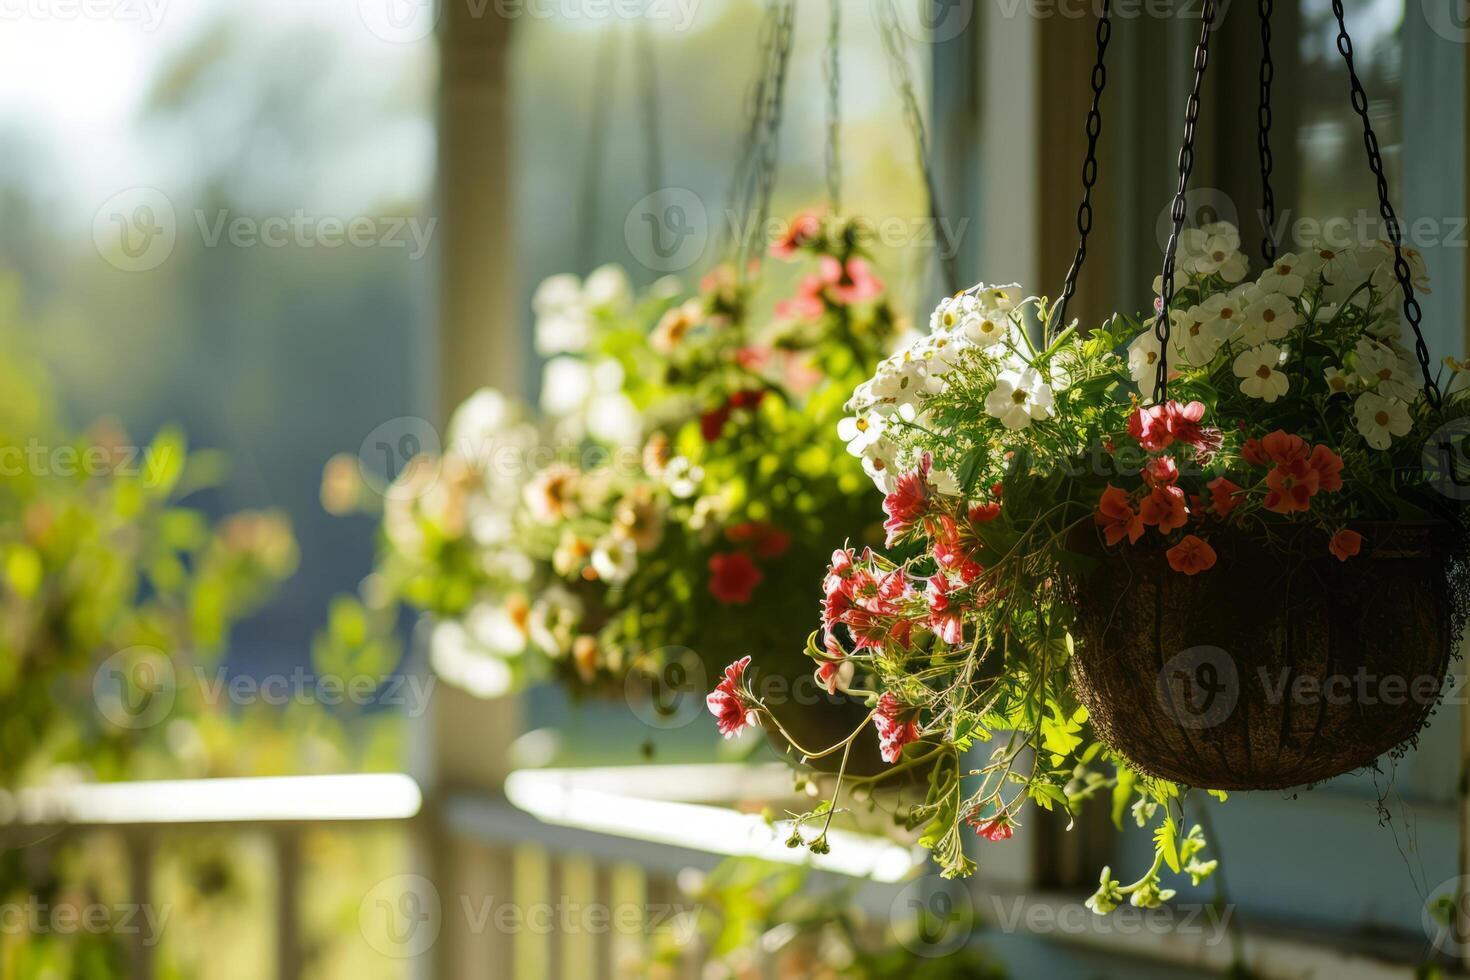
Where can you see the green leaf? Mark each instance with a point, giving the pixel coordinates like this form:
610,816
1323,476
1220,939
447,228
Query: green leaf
1122,793
1166,840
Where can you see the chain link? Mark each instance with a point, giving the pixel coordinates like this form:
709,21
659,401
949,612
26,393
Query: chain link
1089,165
1263,138
604,82
1412,313
739,195
893,45
1178,211
832,67
769,146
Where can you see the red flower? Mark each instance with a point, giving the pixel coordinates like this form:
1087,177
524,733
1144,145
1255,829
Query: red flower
712,423
729,703
1223,495
806,304
803,228
1165,508
897,726
984,513
1328,466
839,572
1191,556
954,548
1254,453
944,618
1290,486
733,577
1283,447
747,398
908,502
1345,544
997,828
768,540
1161,471
1158,426
1116,516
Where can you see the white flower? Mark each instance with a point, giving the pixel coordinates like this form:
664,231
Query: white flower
987,328
1334,266
612,418
1199,332
607,289
478,420
557,294
1339,382
562,333
615,559
1019,397
997,299
905,378
491,625
1212,249
880,463
1143,358
950,312
1284,276
1268,316
566,385
860,431
1383,370
553,621
1380,419
1258,370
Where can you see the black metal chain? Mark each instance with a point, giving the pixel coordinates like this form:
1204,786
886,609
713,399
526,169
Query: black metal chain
893,45
604,81
1089,165
1401,270
648,82
742,190
832,67
765,163
1178,211
1263,138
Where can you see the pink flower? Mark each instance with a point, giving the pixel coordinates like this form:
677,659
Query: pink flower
806,305
835,674
1159,426
729,703
852,282
894,729
944,618
840,571
908,501
1224,495
733,577
997,828
803,228
1161,471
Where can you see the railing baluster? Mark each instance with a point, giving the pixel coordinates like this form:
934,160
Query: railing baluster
139,845
287,842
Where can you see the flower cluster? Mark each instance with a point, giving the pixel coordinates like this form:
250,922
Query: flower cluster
676,485
1014,452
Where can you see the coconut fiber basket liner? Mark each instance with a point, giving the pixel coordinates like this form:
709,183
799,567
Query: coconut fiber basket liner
1280,666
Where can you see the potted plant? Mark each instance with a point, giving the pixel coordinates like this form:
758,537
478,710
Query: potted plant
1174,583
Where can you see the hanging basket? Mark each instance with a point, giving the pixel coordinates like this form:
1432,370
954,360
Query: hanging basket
1279,667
